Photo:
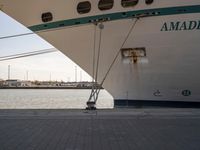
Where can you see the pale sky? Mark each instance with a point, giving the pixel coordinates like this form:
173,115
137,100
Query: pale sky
54,66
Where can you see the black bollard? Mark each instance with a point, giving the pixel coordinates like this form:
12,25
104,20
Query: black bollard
91,105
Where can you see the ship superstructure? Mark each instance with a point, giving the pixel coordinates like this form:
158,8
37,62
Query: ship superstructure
138,49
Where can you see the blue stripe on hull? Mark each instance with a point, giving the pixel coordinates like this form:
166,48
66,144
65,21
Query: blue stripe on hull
118,16
153,103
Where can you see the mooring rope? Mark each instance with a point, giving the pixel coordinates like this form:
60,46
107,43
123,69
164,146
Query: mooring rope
116,56
95,92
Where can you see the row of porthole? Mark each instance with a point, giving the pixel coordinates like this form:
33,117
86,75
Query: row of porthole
85,6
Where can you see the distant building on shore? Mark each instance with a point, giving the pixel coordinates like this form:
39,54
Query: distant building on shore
1,82
17,83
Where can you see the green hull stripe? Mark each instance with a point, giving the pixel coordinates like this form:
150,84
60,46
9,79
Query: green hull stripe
118,16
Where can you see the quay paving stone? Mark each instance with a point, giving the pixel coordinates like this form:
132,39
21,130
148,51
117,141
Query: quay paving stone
118,129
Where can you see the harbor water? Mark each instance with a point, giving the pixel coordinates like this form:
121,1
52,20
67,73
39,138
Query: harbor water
51,99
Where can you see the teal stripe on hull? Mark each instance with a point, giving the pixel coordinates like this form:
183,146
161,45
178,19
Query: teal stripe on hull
118,16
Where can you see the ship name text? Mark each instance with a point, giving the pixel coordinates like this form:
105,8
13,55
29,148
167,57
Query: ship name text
181,26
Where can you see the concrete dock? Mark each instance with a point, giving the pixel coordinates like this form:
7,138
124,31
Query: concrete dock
117,129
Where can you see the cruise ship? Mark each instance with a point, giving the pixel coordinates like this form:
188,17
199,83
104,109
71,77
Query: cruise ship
139,50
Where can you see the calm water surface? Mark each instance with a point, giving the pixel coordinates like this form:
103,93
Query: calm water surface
50,99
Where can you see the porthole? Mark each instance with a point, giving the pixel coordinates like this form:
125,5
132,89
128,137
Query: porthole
106,4
84,7
47,17
129,3
149,1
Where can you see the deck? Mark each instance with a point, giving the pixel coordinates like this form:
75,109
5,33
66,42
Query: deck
118,129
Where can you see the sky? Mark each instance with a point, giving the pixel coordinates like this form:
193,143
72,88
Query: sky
52,66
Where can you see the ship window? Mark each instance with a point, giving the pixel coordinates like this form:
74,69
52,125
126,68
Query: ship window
84,7
149,1
129,3
105,4
47,17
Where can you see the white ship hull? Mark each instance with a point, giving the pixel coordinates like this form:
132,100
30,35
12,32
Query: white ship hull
169,71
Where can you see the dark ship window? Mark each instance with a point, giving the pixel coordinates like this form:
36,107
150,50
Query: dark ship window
105,4
129,3
47,17
149,1
84,7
